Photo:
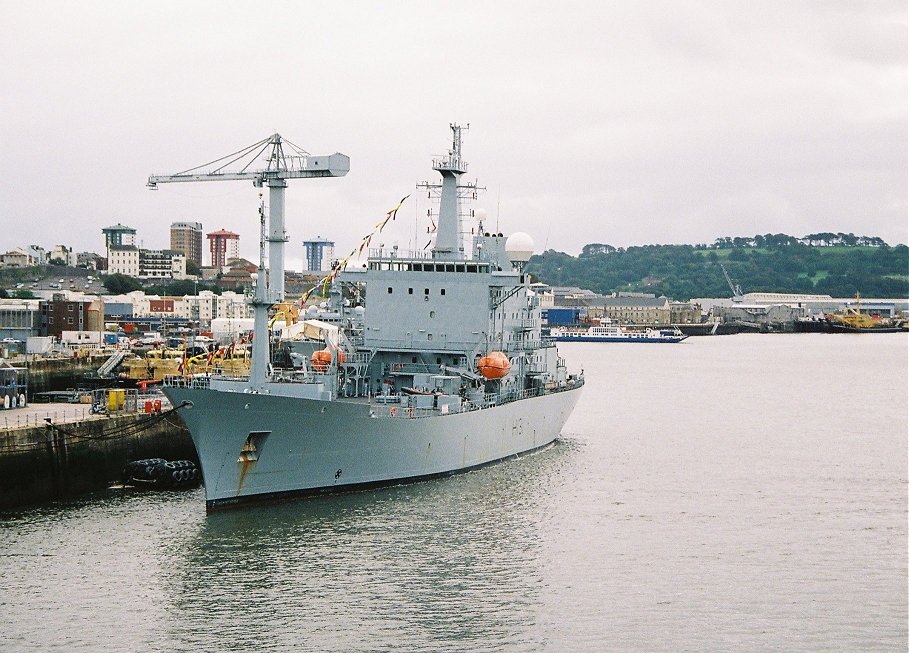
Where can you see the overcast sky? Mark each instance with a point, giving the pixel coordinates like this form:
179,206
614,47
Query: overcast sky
616,122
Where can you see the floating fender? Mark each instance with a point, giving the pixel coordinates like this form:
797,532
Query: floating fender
160,473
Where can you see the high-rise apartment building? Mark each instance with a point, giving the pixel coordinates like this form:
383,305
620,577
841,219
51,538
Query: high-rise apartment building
224,245
119,234
319,254
186,237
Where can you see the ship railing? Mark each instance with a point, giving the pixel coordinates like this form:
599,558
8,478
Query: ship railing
198,382
356,359
524,325
389,253
390,407
525,345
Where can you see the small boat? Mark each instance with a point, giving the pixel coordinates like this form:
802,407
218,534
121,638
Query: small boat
617,333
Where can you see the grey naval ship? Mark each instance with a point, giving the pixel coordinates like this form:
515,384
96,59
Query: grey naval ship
420,364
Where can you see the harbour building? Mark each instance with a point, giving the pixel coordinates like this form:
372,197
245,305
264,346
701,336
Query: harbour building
186,238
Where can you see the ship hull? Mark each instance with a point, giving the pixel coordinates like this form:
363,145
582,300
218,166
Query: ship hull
307,447
665,340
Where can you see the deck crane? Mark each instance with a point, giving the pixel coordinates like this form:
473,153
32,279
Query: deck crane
736,288
278,160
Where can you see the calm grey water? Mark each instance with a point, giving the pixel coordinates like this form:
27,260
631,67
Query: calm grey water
731,493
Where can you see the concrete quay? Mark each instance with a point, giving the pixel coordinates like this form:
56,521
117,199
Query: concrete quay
58,451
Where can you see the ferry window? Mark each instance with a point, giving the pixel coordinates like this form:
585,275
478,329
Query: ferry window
389,290
425,291
432,314
413,359
417,267
442,291
429,336
410,291
459,267
471,268
450,267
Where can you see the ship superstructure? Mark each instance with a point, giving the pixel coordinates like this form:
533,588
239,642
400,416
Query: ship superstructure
421,363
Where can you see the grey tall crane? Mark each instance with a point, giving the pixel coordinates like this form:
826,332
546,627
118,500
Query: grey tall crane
279,166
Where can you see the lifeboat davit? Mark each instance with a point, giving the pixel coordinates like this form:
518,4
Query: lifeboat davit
322,359
494,365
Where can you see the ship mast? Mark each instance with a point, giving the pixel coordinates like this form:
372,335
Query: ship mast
259,361
450,193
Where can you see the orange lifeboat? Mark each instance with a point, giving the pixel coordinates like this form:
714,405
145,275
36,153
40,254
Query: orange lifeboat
322,359
494,365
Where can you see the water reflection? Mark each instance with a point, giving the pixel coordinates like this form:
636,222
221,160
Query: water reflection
418,567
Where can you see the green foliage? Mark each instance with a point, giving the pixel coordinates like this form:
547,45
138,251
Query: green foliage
193,269
770,263
118,284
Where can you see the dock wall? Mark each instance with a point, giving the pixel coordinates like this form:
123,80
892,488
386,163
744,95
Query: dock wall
42,463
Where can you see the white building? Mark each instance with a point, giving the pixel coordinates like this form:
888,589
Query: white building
207,306
161,264
146,263
204,307
123,259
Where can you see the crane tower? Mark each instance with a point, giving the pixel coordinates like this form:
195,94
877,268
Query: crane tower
270,162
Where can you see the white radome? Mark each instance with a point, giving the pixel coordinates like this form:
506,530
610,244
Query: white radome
519,247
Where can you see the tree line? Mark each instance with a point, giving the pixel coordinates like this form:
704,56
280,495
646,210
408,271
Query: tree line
825,263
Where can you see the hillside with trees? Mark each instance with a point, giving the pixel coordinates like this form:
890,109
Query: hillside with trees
824,263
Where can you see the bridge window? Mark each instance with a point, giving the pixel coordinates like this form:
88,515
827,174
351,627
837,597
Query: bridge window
389,290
